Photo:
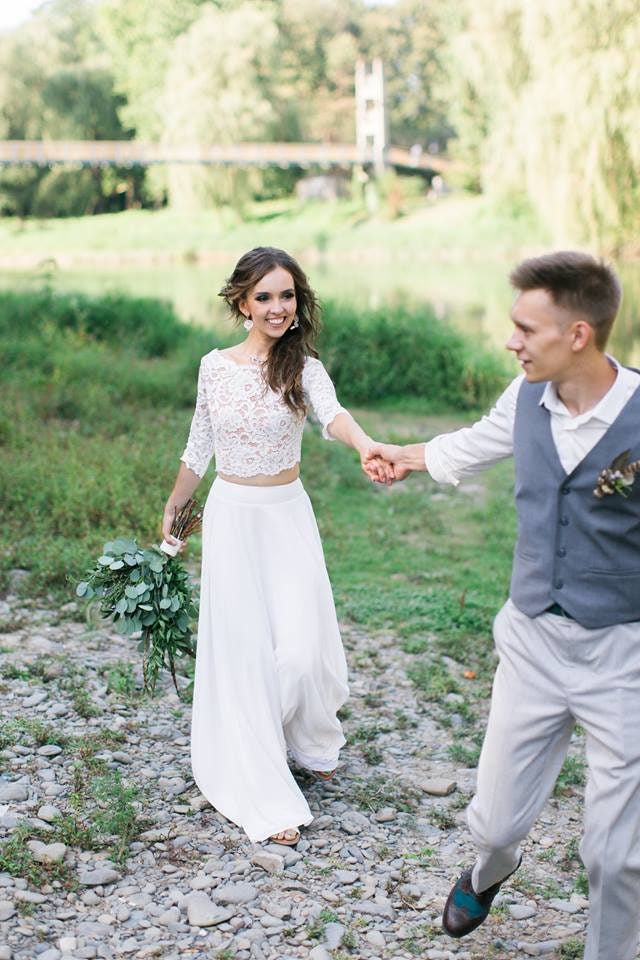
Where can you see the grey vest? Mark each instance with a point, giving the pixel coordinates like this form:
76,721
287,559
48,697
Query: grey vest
572,548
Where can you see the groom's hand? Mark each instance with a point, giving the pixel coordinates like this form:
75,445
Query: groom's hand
377,469
391,455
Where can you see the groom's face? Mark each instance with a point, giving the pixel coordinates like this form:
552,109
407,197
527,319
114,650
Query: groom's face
543,338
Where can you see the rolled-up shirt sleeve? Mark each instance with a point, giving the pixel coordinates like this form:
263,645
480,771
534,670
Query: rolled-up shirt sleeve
201,443
320,393
451,457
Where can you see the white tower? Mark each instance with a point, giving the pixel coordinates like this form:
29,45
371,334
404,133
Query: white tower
371,122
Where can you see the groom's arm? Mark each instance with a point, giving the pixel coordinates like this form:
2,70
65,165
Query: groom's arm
451,457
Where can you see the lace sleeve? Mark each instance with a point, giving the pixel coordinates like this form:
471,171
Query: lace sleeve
320,392
200,445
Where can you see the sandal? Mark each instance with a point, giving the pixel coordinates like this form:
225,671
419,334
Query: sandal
324,774
288,838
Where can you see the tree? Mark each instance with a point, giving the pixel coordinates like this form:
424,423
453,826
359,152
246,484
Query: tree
218,91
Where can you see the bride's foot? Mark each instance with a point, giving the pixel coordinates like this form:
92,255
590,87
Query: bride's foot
324,774
287,838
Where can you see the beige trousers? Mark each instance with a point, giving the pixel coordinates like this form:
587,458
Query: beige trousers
552,674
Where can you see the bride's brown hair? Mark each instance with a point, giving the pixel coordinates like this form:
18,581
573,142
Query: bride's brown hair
285,361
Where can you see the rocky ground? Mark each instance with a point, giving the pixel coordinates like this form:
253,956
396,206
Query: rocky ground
110,851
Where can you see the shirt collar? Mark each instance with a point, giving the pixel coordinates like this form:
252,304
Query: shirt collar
607,409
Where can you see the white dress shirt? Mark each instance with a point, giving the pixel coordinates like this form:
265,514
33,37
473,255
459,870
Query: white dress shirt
453,456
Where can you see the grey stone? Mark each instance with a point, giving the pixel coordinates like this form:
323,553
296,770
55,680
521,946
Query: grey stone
68,944
386,815
375,909
539,949
49,813
203,912
271,862
564,906
47,853
235,893
13,792
333,934
520,911
5,952
99,877
376,939
7,910
319,953
50,750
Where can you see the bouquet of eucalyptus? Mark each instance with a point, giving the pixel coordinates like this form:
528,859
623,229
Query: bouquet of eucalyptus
148,595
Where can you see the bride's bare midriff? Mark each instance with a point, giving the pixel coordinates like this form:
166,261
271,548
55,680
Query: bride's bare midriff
263,480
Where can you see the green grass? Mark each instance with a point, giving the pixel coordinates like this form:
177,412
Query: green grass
453,224
92,422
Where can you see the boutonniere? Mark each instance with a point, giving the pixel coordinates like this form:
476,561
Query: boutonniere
618,477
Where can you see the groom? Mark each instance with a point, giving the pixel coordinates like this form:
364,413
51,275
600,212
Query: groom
568,637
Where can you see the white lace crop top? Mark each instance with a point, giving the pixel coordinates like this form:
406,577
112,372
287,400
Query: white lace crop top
247,425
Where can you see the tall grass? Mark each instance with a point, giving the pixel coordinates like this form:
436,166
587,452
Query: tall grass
96,397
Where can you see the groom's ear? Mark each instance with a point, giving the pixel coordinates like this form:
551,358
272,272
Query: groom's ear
582,334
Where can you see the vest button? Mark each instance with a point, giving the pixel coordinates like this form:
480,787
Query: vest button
558,584
566,490
561,552
564,521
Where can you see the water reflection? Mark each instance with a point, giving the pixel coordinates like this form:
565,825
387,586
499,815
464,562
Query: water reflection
475,296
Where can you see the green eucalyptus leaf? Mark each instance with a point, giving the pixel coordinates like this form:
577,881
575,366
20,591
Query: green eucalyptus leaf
130,591
116,565
105,560
135,575
130,559
148,619
145,606
121,605
165,603
82,588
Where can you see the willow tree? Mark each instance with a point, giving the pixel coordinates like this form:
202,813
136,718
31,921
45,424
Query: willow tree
217,91
557,83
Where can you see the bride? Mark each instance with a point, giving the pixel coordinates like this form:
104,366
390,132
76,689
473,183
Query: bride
270,670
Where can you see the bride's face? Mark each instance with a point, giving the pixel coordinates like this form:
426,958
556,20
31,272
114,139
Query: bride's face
271,304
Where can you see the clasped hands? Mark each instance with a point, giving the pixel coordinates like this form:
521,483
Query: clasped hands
384,462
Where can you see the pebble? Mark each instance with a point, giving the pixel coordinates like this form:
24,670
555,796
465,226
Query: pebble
194,886
7,910
235,893
47,853
376,939
333,934
539,949
49,813
319,953
520,911
13,792
99,877
203,912
564,906
271,862
437,787
386,815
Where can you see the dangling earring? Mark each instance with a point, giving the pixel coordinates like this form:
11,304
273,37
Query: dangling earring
248,323
295,324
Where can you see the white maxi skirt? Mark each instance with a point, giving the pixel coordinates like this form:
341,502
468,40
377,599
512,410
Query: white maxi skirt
270,671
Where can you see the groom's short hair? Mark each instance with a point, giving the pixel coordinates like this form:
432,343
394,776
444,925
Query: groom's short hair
576,281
